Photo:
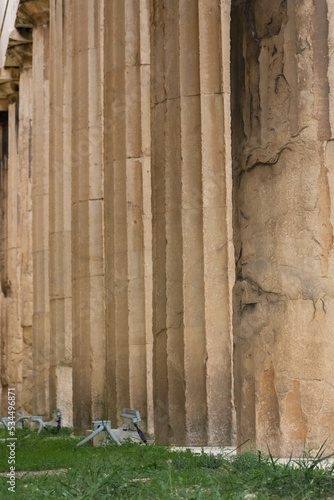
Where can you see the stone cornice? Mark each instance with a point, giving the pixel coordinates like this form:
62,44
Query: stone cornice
30,13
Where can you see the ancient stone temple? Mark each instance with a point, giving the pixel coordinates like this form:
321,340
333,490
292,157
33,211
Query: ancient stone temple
166,225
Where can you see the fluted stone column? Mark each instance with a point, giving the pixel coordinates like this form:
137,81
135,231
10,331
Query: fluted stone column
128,233
282,129
5,345
191,179
16,251
40,227
12,276
25,233
60,209
87,215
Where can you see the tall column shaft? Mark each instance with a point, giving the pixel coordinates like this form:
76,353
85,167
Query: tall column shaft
87,215
3,258
282,130
191,226
40,228
12,305
128,207
60,209
25,233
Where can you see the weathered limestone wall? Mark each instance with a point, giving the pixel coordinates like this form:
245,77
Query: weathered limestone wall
191,168
87,215
283,181
40,220
60,209
128,233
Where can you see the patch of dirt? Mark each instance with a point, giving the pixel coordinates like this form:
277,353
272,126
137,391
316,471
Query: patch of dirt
36,472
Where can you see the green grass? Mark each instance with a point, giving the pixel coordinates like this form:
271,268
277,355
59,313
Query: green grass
155,472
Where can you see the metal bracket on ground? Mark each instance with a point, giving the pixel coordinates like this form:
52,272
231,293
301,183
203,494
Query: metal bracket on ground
99,426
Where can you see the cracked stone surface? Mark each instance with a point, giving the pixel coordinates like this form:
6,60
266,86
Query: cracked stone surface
283,224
